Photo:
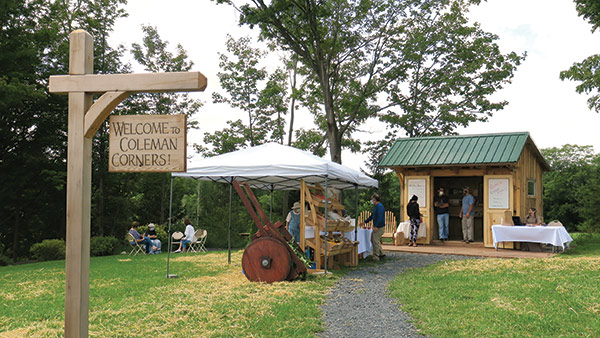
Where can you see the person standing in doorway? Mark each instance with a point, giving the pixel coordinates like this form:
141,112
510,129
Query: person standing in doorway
466,213
378,218
441,205
412,210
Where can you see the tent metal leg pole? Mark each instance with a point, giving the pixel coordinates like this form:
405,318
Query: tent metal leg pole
229,235
356,212
169,231
198,204
271,206
317,229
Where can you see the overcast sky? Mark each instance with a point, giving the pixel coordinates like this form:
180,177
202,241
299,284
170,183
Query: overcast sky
539,102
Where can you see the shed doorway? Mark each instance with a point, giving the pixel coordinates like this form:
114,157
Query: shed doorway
454,190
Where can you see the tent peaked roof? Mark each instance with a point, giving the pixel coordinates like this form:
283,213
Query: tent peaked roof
274,166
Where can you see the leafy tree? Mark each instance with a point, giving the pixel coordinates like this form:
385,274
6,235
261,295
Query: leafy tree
209,205
34,44
567,188
250,88
590,198
151,190
587,72
421,55
451,69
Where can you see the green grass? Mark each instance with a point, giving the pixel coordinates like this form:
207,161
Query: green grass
130,297
552,297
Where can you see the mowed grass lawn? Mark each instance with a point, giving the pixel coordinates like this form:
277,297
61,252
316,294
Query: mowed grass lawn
555,297
130,297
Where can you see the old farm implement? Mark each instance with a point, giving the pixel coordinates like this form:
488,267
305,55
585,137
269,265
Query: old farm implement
272,255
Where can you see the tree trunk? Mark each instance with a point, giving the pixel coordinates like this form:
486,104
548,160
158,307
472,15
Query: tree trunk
162,201
293,82
100,219
16,230
333,132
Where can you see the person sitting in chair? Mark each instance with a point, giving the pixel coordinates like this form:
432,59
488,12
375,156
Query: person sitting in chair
533,218
138,238
151,233
188,236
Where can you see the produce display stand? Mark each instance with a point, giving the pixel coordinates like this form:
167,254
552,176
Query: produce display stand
337,248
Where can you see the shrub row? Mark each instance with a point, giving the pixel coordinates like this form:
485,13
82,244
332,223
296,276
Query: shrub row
53,249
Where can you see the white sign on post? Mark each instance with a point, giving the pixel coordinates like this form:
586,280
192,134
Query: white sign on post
147,143
498,193
417,187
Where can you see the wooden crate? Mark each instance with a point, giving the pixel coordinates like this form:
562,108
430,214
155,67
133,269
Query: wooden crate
332,225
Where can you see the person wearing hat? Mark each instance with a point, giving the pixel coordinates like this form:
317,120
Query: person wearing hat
466,214
412,210
378,218
441,203
293,221
151,233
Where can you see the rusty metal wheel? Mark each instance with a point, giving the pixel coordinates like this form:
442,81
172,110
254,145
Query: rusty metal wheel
266,260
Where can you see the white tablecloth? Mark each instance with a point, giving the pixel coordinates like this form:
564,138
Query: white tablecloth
404,227
556,236
363,237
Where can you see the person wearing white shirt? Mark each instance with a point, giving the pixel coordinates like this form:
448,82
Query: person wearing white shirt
188,238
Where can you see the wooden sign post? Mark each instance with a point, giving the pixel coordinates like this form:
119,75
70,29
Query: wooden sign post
85,117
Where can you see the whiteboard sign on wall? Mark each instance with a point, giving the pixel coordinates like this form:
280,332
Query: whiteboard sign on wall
498,193
417,187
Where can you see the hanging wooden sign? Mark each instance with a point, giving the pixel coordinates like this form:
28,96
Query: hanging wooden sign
147,143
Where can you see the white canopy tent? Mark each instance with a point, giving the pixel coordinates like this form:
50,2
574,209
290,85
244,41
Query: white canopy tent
273,166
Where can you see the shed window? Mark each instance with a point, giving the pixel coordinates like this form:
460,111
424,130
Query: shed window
531,191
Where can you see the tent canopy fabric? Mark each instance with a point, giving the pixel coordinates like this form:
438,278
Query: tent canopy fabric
273,166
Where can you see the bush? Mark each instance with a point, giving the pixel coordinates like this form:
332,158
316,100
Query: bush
104,246
4,261
49,249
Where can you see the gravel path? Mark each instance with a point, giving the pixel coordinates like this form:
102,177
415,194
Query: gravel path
358,306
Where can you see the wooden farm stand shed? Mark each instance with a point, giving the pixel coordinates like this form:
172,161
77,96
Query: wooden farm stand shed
504,172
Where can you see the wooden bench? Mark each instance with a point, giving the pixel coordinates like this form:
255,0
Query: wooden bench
390,222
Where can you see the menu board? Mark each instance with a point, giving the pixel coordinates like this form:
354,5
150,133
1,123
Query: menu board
417,187
498,193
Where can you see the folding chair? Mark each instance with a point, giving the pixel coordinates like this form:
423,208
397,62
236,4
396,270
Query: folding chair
135,247
176,238
202,240
198,244
194,242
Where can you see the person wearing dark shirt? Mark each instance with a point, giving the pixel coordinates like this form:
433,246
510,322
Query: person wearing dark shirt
378,218
441,203
412,210
139,239
156,243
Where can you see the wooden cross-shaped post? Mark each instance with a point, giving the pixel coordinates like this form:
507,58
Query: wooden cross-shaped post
85,118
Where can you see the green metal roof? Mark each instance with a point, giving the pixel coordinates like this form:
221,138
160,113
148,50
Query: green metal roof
457,150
